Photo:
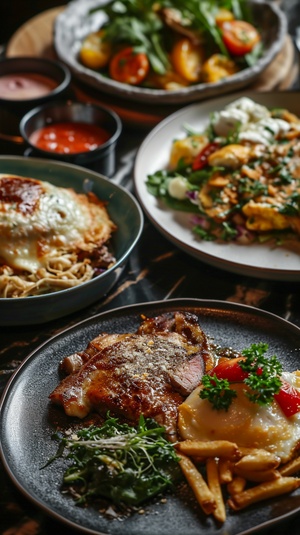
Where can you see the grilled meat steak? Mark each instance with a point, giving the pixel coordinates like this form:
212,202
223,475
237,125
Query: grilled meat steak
148,372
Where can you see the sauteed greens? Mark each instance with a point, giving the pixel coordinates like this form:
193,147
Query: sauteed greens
124,464
172,43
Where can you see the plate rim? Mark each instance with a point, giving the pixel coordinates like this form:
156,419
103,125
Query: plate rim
170,304
291,275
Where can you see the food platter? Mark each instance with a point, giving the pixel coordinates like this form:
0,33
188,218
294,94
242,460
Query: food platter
123,209
27,421
74,23
258,260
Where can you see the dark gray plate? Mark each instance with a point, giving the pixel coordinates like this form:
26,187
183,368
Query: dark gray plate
27,421
75,22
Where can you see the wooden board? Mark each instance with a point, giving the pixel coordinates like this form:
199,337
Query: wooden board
35,38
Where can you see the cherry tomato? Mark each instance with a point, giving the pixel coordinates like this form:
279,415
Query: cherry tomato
129,67
288,398
239,36
230,369
201,158
95,51
187,59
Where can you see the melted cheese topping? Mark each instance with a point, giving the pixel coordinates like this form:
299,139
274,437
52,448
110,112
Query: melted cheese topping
38,219
245,423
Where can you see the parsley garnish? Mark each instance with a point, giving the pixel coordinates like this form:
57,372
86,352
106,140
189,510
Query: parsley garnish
263,380
217,391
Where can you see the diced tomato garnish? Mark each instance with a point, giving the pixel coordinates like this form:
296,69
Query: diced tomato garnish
288,398
230,369
201,158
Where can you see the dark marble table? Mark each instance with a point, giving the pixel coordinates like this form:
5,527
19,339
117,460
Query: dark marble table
156,270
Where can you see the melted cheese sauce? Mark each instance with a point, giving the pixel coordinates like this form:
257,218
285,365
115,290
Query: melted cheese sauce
37,219
245,423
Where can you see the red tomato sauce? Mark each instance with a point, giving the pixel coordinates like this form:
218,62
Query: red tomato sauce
69,138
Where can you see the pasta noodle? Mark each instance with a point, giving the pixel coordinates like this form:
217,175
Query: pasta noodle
51,238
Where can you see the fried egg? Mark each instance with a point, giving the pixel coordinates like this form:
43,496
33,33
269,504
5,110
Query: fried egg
245,423
39,219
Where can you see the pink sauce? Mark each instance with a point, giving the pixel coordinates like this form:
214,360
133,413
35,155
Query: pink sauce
24,86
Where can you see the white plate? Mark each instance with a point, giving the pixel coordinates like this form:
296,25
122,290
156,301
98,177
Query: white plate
258,260
75,22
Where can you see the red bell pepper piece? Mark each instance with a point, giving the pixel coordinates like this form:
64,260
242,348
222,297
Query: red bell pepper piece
201,158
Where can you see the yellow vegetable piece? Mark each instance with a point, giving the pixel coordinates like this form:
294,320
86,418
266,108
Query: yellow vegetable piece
223,15
217,67
95,51
187,59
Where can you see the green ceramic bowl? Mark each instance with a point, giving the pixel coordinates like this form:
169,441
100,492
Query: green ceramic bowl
123,210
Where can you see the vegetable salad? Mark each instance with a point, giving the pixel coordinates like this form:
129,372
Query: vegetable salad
169,44
240,177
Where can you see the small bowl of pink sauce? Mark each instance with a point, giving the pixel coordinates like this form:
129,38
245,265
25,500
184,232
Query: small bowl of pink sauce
81,133
27,82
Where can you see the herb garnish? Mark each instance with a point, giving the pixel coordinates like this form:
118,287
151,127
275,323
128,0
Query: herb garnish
124,464
217,391
262,379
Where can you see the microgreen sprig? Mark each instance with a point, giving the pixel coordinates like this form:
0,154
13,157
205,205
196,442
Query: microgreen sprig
122,463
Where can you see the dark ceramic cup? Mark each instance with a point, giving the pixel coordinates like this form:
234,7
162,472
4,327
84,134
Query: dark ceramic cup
101,159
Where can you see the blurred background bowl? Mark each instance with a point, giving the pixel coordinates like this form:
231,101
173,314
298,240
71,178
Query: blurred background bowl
101,159
27,82
79,18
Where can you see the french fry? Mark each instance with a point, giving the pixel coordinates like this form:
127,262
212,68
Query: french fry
214,485
214,448
200,488
257,475
264,491
237,485
290,468
225,470
258,459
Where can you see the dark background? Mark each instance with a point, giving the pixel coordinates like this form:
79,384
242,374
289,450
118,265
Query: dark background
14,13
